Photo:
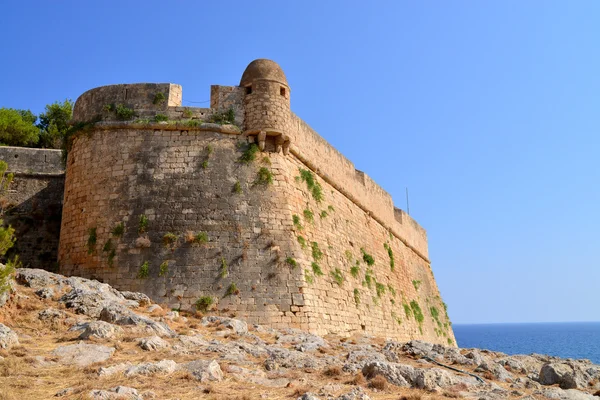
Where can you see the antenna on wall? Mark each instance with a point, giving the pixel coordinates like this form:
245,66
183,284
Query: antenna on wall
407,205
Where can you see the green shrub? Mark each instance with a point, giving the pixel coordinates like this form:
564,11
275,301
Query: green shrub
249,153
308,215
163,269
380,288
17,127
316,268
108,246
392,290
367,257
7,239
407,310
416,284
169,238
123,112
237,188
264,176
302,242
391,254
159,98
330,208
368,278
291,262
91,242
308,277
118,230
221,118
355,271
143,225
311,183
111,257
204,303
450,342
416,310
317,254
296,221
204,164
199,238
356,297
338,276
232,290
144,271
224,268
6,274
323,214
187,113
160,118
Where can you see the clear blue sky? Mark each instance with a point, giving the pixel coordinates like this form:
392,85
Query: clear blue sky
488,111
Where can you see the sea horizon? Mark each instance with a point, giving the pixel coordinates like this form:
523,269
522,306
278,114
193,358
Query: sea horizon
578,340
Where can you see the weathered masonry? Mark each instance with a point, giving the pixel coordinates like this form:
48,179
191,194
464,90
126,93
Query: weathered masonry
33,203
244,205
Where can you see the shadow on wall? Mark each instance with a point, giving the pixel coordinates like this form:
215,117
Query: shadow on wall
37,227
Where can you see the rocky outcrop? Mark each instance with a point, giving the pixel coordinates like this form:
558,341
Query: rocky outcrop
122,336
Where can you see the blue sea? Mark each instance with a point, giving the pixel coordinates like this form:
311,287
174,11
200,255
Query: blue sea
564,339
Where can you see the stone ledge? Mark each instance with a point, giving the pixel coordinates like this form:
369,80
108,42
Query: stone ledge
166,126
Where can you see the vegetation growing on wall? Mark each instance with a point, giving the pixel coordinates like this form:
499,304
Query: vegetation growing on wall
224,268
317,254
91,242
223,118
308,277
416,284
204,303
237,188
232,289
308,215
311,183
163,269
297,224
302,241
367,258
159,98
249,151
291,262
123,112
264,176
143,224
338,277
169,239
316,268
118,230
144,270
390,252
356,297
198,239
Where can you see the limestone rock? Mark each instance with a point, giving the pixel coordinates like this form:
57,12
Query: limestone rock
83,354
100,330
119,392
37,278
45,293
51,315
121,315
358,393
570,394
153,343
204,370
161,367
396,374
140,298
8,337
308,396
568,375
236,325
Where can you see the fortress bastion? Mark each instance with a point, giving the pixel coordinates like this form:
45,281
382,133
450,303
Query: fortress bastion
243,205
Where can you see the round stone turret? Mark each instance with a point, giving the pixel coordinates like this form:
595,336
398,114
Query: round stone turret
267,103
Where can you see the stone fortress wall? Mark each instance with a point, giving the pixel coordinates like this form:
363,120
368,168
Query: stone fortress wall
341,259
34,203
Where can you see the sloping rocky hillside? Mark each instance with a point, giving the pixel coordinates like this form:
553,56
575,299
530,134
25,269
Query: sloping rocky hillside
73,338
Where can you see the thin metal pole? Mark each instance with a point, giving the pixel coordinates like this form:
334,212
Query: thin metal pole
407,205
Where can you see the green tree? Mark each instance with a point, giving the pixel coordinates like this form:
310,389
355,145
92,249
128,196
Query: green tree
54,124
17,127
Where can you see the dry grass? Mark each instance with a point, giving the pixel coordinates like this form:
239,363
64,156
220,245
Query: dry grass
334,371
358,380
378,382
